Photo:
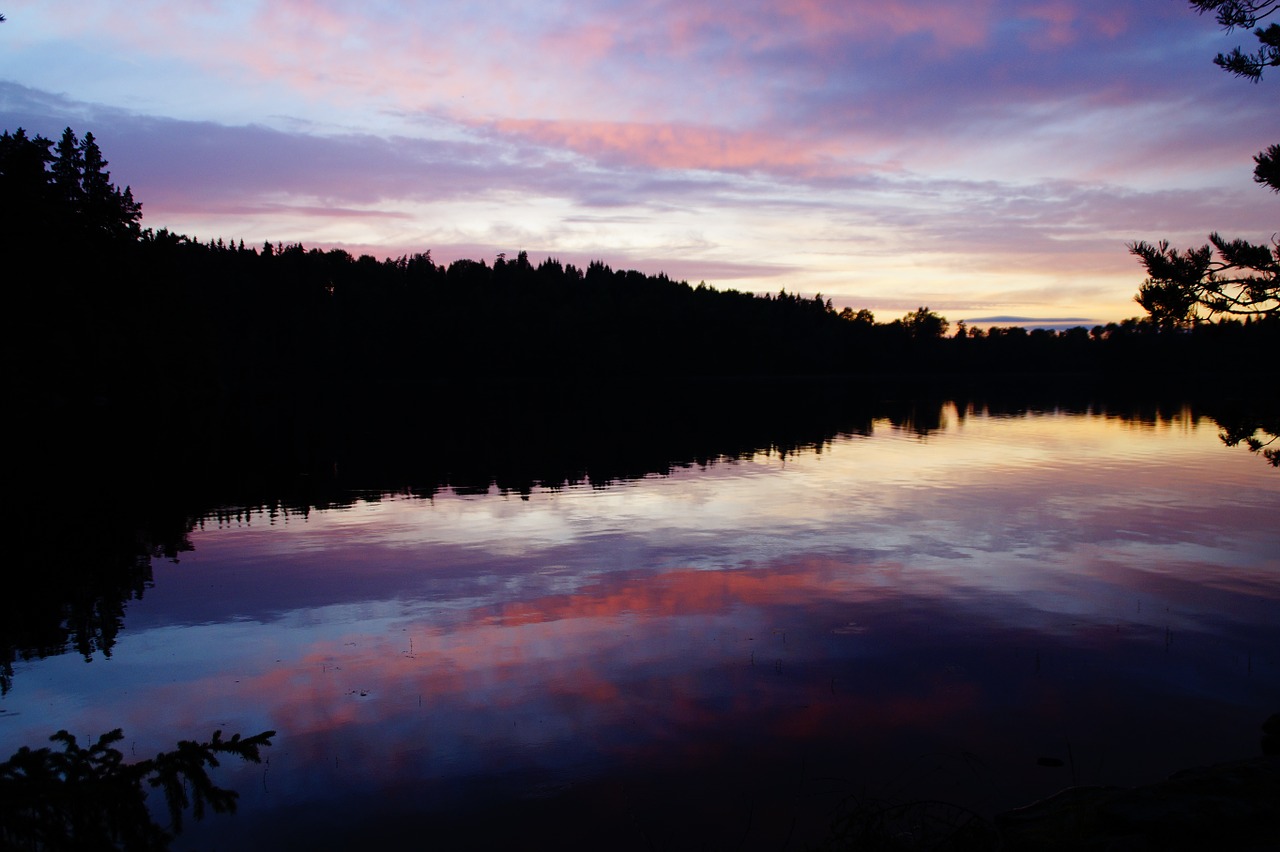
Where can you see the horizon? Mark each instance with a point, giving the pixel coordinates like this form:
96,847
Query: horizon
989,163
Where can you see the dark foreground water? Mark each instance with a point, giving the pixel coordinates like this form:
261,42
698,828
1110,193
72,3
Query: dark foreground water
722,657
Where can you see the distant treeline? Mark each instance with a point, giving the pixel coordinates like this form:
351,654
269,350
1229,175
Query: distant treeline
107,313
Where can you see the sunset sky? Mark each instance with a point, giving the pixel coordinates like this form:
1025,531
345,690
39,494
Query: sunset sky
989,159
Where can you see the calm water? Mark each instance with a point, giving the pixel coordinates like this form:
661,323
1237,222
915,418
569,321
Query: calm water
718,657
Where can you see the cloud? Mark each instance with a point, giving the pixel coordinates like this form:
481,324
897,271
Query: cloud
887,149
1033,322
670,146
648,197
188,164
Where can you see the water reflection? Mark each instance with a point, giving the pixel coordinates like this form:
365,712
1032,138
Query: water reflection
927,605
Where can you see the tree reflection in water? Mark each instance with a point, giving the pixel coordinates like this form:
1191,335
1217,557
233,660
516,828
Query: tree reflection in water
1255,427
90,798
73,577
81,569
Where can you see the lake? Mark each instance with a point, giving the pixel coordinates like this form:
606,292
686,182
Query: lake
731,650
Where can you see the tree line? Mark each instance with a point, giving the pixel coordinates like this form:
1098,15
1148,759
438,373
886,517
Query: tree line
107,315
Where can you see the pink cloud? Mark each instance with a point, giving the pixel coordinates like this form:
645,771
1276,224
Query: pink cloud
1064,22
1059,23
674,146
641,56
582,45
950,25
677,28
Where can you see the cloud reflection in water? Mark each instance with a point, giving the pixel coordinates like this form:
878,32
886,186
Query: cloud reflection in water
980,598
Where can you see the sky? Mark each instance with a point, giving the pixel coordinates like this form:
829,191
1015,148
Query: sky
989,159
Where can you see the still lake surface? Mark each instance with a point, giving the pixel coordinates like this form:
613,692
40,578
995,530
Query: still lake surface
980,613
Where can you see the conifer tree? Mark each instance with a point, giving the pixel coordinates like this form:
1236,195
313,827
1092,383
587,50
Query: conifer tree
1227,276
1246,14
68,171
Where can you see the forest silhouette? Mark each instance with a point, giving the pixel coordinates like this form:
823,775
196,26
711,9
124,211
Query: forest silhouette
161,380
177,375
108,315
